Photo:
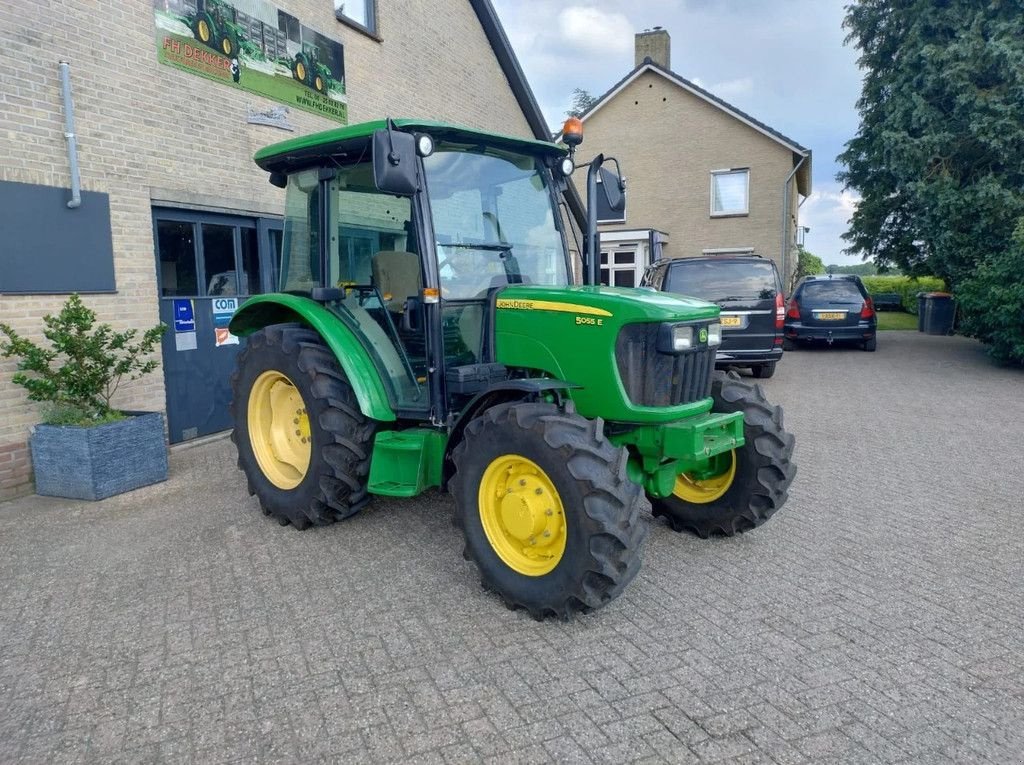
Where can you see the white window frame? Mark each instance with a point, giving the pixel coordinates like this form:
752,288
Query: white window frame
746,193
371,15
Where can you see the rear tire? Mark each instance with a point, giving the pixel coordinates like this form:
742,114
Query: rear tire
788,345
763,468
333,485
871,345
587,550
764,371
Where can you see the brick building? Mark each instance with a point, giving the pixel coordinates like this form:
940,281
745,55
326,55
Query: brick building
703,177
171,98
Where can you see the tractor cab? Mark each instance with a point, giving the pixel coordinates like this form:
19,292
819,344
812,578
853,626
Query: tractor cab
412,256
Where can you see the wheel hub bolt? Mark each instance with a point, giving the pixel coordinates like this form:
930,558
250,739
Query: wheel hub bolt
547,533
549,511
538,491
522,482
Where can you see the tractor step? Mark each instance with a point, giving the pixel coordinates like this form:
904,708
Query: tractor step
406,462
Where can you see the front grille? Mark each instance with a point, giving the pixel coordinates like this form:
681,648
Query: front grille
661,379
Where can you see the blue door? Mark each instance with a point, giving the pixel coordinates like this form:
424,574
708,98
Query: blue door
207,265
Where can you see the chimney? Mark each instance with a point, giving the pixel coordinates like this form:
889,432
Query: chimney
656,45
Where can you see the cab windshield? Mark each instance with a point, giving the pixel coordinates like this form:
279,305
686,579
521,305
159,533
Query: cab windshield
493,220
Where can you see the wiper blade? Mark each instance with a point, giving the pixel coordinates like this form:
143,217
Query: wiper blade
490,246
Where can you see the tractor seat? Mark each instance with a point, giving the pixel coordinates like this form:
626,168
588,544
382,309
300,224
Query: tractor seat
396,274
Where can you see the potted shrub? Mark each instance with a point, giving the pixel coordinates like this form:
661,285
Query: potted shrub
86,449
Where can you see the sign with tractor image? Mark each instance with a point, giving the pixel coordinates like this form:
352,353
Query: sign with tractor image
254,46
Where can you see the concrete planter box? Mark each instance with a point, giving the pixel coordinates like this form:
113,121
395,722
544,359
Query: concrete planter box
99,462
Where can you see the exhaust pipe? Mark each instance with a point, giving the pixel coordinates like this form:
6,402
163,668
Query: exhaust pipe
69,134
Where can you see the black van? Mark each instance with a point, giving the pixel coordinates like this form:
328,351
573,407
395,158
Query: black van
748,290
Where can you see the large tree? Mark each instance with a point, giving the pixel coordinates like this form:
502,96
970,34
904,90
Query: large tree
939,156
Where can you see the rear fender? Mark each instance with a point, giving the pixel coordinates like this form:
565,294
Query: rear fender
261,311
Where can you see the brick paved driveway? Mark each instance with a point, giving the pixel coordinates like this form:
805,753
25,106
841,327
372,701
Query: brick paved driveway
878,618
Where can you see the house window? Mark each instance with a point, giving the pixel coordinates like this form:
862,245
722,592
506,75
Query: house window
619,268
359,13
730,192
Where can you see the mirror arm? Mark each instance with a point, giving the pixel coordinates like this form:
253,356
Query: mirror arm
591,271
393,158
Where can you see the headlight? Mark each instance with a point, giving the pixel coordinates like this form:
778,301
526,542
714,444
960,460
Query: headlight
675,338
567,167
714,335
682,338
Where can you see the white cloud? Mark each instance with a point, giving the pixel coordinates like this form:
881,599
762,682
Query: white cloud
586,29
827,213
732,88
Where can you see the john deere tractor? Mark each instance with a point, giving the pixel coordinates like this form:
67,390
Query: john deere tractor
308,69
427,333
213,24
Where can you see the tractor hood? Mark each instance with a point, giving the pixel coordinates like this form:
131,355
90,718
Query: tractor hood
572,333
620,304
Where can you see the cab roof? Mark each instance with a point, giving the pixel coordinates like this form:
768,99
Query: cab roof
298,152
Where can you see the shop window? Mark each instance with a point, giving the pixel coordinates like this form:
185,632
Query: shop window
176,244
730,192
359,13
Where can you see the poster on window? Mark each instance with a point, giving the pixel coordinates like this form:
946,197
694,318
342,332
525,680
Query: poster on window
252,45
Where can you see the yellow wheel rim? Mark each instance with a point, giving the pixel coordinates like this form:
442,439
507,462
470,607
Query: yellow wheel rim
204,31
279,430
522,515
226,46
701,491
319,83
300,71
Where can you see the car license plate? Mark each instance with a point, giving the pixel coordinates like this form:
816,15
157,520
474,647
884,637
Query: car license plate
731,321
832,315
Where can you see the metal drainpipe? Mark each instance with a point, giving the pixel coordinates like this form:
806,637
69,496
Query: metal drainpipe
69,134
785,219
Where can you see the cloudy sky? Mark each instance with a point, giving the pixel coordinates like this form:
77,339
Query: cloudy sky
782,61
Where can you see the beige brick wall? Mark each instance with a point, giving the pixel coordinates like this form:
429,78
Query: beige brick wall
147,130
668,141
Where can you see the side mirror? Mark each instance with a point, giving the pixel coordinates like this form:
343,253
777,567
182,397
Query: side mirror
394,162
614,189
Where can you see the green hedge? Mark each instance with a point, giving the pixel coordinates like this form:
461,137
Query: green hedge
906,286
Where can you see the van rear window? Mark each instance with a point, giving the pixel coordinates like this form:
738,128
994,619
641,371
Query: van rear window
722,280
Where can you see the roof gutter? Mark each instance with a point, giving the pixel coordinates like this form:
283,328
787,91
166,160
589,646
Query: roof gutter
521,90
785,218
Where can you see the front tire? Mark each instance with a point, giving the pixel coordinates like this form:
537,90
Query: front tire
302,441
755,481
549,516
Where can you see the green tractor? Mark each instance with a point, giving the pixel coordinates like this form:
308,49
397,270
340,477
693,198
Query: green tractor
427,334
213,24
309,70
